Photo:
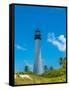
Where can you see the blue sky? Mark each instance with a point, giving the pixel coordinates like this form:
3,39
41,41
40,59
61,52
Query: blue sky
51,22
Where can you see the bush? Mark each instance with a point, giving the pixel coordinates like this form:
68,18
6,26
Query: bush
54,73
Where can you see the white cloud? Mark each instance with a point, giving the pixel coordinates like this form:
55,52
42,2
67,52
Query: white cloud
19,47
62,38
59,42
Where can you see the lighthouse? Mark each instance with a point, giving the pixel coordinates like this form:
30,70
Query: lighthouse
38,69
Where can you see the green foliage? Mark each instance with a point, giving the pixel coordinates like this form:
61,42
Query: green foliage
51,68
39,79
26,69
56,72
62,62
45,68
49,76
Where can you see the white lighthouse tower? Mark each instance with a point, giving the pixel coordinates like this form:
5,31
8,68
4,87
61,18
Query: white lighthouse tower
38,69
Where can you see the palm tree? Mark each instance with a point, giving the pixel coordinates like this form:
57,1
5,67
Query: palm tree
62,62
